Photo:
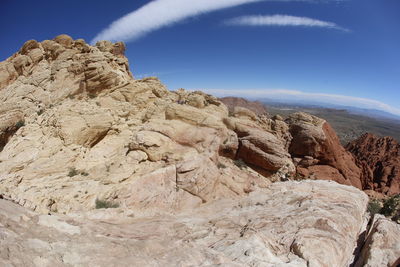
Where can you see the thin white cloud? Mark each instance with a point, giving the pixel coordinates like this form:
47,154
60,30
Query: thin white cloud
161,13
158,14
293,96
281,20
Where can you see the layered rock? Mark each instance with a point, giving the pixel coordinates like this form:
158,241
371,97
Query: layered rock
379,160
318,152
191,180
382,245
308,223
76,127
234,102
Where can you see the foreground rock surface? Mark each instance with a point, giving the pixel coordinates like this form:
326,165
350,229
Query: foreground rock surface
379,160
382,246
308,223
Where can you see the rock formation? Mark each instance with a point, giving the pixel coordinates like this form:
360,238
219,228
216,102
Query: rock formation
76,127
232,102
312,223
317,151
379,160
382,244
193,182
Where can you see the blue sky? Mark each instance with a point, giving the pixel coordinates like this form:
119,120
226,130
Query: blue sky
349,47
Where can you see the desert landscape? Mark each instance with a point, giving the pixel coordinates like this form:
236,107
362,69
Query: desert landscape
98,168
348,126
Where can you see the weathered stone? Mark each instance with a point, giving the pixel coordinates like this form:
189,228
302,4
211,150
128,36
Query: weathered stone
382,245
29,45
314,137
310,223
379,160
64,40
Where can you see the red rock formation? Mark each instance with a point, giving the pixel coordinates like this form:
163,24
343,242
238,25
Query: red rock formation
379,160
255,106
319,152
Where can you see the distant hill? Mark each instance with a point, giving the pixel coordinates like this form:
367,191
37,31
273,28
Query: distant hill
348,125
370,112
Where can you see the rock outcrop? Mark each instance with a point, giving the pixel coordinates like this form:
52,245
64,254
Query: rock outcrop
379,160
308,223
232,102
75,126
382,245
188,182
318,152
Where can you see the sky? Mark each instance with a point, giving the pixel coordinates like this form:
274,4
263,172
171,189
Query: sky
341,51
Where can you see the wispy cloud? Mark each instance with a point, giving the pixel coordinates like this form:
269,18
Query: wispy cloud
281,20
294,95
161,13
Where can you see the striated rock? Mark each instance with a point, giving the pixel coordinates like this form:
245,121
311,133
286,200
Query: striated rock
64,40
260,146
255,106
315,138
308,223
29,45
382,245
188,183
244,113
90,131
379,160
8,73
264,150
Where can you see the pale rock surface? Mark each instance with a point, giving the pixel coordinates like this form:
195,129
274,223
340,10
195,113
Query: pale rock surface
382,245
308,223
75,127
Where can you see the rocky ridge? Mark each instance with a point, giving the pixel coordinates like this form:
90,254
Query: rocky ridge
379,160
233,102
76,128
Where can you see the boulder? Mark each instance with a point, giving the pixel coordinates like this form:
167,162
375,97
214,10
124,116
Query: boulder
314,137
255,106
382,244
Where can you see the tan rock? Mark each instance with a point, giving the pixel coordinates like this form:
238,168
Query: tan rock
8,74
311,223
264,150
169,160
64,40
192,116
83,124
244,112
382,245
29,45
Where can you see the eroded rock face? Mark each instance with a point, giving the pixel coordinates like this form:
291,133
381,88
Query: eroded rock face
379,160
382,245
75,126
316,144
234,102
308,223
